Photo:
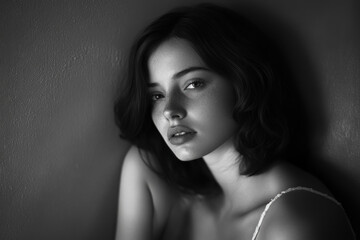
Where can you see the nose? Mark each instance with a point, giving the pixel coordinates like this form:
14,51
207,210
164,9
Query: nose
174,108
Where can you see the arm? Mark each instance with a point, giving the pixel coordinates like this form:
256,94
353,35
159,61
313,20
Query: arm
135,212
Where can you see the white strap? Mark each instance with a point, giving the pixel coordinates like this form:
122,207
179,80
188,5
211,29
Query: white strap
281,194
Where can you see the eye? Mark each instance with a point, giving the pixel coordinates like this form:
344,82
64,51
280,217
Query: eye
156,96
195,84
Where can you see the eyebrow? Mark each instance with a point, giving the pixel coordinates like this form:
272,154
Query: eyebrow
182,73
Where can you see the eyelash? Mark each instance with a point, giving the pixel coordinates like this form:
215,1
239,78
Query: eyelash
200,82
195,84
154,96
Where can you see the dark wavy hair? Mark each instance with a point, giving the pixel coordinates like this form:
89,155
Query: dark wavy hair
232,47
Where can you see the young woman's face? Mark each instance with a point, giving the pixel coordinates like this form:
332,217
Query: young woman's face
192,105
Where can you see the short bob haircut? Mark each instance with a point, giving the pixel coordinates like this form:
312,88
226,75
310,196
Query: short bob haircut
232,47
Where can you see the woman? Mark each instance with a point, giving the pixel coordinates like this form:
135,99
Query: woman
203,107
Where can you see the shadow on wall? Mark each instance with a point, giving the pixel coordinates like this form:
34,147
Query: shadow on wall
305,110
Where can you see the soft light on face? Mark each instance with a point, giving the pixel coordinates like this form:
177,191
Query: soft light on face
192,105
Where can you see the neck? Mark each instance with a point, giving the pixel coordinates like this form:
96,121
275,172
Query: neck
240,193
224,165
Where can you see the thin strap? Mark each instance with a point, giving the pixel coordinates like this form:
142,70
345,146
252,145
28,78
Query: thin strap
281,194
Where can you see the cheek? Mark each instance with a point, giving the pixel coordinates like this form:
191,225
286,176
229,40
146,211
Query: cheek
219,105
157,115
216,115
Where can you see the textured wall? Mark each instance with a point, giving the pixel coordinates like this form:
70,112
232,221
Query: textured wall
60,157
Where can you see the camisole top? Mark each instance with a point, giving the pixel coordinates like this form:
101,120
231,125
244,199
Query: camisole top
267,207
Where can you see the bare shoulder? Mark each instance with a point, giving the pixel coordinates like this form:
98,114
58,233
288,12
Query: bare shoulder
135,208
137,163
144,198
134,164
136,168
300,215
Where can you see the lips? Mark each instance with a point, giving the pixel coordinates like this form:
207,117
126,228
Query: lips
180,134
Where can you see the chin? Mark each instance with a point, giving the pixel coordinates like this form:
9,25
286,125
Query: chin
185,154
185,157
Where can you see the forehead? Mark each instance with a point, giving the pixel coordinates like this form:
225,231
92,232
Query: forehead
171,57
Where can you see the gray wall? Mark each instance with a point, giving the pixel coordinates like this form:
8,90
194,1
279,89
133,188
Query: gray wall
60,156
